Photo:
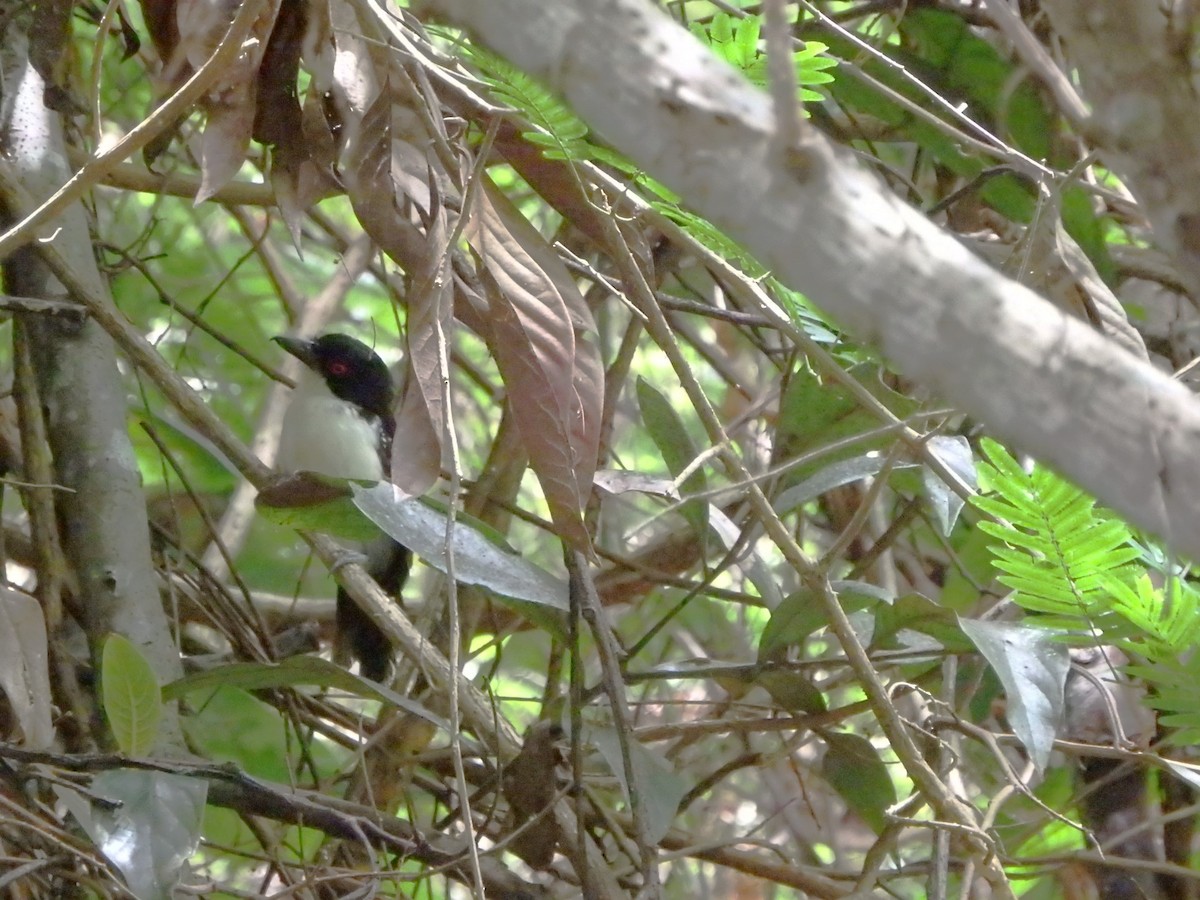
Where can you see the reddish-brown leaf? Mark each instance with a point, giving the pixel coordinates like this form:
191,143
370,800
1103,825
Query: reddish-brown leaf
302,165
588,374
162,25
421,418
551,378
390,174
277,108
231,102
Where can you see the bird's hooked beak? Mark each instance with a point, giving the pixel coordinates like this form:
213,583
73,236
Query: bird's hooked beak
299,348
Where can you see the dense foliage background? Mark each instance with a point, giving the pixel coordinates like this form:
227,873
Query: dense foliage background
739,608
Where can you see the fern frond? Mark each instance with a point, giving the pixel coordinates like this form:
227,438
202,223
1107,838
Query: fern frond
1174,681
1060,554
1164,623
736,40
559,130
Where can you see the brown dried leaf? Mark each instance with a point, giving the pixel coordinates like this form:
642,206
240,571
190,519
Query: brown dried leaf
555,380
301,489
588,376
530,784
224,145
1104,310
302,165
277,106
162,23
24,667
421,418
231,102
318,51
390,173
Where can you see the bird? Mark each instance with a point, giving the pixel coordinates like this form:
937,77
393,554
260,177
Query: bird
339,423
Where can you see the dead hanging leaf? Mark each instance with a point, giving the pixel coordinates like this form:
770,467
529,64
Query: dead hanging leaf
396,187
553,380
530,785
319,51
277,110
588,381
24,667
421,416
231,103
1051,262
1104,310
302,167
588,376
302,155
163,25
390,179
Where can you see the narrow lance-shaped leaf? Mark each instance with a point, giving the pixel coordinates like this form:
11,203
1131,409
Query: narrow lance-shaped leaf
588,375
853,767
231,101
659,788
295,671
421,416
534,346
666,429
390,173
477,559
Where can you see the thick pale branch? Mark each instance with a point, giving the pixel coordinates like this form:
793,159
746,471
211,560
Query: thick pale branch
1047,383
103,512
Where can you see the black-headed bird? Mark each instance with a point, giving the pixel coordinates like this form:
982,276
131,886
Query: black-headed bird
339,423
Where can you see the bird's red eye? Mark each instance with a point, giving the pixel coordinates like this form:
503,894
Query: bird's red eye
337,367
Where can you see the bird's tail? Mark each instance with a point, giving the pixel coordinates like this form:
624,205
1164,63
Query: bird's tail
358,637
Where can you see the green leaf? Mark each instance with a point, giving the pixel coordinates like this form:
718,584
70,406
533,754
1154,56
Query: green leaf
562,132
916,612
658,786
232,725
1174,695
955,453
846,471
802,613
853,768
150,831
1033,667
677,449
296,671
478,558
131,696
1053,547
307,501
791,690
208,472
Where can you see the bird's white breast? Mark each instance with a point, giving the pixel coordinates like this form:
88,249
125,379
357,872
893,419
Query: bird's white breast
324,434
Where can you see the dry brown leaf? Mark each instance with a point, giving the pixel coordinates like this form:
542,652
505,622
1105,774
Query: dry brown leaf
555,396
302,167
163,25
421,417
392,187
232,102
24,667
389,174
530,785
1051,262
277,107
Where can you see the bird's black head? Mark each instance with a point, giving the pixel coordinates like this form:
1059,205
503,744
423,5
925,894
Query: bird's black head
352,370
